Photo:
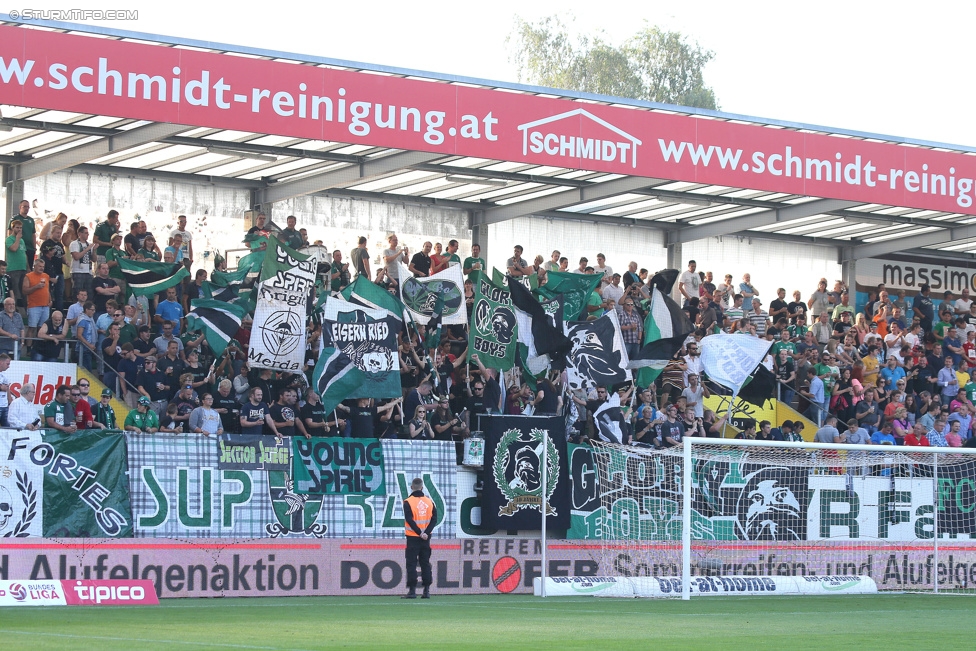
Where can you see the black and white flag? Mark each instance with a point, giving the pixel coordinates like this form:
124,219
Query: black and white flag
611,424
540,327
597,356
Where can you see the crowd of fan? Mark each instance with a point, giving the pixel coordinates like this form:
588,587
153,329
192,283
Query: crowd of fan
896,372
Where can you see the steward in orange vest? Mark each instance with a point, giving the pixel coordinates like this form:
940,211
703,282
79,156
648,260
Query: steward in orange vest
419,519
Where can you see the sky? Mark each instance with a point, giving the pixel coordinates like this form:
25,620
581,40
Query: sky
890,68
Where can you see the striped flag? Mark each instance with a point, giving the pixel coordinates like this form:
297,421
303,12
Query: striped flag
149,278
220,321
665,329
335,377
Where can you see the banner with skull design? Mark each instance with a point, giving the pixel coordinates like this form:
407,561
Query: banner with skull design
369,338
494,328
513,492
278,334
598,356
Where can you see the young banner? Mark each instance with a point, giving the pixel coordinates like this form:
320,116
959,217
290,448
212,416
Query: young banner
369,338
597,357
420,295
493,325
278,334
512,497
335,466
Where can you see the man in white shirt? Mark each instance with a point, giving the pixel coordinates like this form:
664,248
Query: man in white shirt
393,256
186,245
23,413
601,268
614,292
689,282
963,303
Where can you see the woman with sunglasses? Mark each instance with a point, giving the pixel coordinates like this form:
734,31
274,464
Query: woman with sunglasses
418,427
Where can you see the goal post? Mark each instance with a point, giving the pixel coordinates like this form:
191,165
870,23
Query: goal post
727,516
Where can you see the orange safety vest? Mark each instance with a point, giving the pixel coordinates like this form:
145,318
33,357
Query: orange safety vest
422,509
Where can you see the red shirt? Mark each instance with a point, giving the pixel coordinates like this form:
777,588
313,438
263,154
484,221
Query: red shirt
83,415
912,440
969,351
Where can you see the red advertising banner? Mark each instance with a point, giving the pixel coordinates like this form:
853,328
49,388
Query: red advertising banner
49,70
110,593
33,569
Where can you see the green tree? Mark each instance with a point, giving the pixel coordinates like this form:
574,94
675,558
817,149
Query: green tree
654,65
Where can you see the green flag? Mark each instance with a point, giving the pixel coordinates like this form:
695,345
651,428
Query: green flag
150,278
335,378
279,258
493,324
365,292
219,321
576,288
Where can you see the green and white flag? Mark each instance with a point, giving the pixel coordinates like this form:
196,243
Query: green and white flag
279,332
335,377
420,295
369,338
365,292
494,329
575,287
219,321
150,278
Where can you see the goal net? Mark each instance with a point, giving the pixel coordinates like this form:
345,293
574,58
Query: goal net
716,513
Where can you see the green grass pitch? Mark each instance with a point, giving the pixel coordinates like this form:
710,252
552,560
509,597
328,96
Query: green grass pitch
905,621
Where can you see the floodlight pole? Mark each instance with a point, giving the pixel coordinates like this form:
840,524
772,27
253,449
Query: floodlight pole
544,505
686,519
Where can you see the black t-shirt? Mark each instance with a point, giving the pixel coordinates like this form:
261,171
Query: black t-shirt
143,347
841,328
254,414
101,299
133,241
151,383
439,421
53,266
199,373
549,401
363,422
421,262
777,304
314,413
280,414
785,369
171,368
871,420
797,308
111,352
231,420
673,430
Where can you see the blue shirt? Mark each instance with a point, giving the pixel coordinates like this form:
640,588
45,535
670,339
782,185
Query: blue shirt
892,375
879,438
171,311
817,390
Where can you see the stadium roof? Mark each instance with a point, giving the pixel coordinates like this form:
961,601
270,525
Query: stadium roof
38,141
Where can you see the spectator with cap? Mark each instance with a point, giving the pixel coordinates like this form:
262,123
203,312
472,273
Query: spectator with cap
104,414
142,418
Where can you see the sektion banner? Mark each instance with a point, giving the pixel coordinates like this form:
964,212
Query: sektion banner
247,452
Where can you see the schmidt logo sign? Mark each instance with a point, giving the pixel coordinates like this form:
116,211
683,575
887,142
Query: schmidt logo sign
607,143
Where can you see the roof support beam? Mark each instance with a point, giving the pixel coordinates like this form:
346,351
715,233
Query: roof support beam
559,200
84,153
896,244
757,220
350,174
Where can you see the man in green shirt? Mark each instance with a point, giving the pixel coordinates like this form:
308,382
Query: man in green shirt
142,419
56,413
474,263
104,415
29,234
943,324
452,256
784,344
112,257
970,387
103,234
290,237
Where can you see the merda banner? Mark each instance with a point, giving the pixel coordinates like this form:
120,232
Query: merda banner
514,471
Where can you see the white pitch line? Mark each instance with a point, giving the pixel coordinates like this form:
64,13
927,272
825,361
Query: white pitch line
147,641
